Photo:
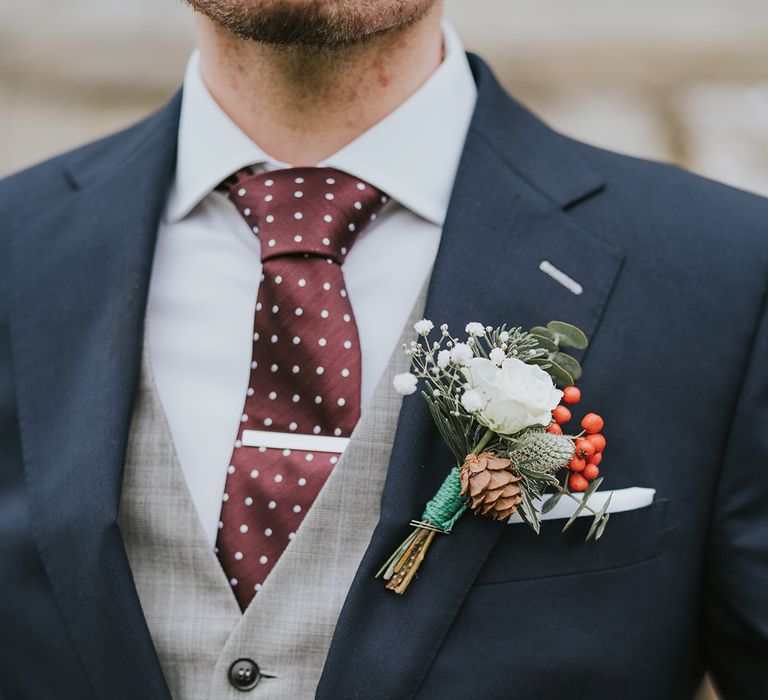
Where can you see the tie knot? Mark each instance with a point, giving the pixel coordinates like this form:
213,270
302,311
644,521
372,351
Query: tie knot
309,211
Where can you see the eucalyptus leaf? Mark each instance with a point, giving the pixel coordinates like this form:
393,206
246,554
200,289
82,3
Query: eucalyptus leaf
601,526
543,333
584,498
568,363
551,502
575,515
567,335
592,488
560,376
599,517
604,509
545,342
592,529
542,362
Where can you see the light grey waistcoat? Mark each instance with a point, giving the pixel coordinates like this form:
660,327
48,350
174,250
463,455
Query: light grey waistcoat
195,623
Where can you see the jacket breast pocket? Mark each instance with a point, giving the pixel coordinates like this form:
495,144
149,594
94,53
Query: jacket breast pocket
630,537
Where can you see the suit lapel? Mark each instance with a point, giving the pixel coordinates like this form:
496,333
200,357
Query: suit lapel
81,277
506,216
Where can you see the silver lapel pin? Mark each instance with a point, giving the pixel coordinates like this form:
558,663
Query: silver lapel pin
559,276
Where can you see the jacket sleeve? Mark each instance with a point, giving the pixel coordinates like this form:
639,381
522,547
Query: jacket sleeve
736,602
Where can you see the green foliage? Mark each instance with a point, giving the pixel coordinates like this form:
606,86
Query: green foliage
584,498
545,338
517,343
529,512
600,520
568,336
568,364
457,430
564,369
559,376
551,502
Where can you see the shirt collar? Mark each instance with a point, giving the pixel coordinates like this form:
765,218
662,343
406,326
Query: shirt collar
412,154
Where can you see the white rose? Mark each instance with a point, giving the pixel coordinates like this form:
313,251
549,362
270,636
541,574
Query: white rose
423,327
461,353
517,395
405,383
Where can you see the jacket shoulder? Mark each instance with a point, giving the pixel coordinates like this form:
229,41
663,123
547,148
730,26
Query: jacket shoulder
674,202
43,184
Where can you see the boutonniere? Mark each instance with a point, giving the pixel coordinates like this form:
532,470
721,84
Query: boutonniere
500,400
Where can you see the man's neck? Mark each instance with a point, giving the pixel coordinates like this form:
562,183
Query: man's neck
302,105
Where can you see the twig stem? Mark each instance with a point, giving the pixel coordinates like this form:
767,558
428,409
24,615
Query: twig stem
487,437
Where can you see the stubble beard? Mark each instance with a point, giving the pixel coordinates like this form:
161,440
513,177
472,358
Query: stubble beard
312,24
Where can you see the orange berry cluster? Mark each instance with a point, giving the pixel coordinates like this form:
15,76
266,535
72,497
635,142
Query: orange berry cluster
589,448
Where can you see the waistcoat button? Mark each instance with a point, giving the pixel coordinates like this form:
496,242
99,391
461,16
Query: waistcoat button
244,674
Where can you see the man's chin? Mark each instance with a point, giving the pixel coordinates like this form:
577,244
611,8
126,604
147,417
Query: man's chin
311,23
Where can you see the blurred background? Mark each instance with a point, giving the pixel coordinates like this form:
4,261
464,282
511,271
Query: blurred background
676,80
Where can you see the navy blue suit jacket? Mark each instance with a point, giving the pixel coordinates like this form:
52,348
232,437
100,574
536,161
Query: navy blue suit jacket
674,270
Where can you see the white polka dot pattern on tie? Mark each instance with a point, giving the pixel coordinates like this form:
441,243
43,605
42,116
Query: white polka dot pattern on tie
305,369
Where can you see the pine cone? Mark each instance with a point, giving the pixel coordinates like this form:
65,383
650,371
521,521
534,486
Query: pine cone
543,452
489,487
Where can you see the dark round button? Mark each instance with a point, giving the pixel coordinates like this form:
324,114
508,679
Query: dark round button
244,674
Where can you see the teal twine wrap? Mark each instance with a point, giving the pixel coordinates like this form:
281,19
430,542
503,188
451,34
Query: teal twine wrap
446,506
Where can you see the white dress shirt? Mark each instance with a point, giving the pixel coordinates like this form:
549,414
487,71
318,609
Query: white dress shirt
207,263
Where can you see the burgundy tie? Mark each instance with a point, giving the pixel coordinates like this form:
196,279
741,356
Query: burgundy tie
305,364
